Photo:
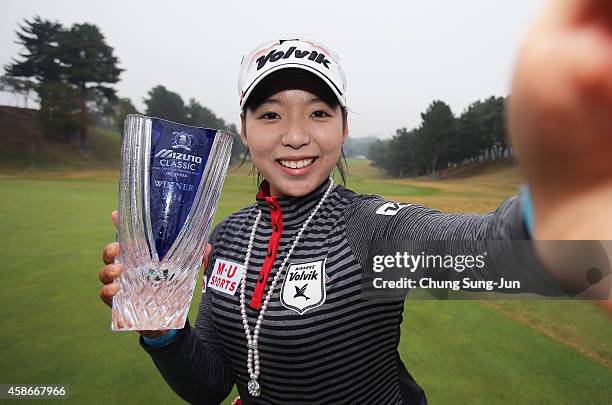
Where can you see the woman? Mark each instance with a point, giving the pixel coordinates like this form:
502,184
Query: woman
297,330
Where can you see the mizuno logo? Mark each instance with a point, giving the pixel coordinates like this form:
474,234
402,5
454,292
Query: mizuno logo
168,153
275,55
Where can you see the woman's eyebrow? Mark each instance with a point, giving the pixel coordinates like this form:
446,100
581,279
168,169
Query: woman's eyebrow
271,101
274,100
315,100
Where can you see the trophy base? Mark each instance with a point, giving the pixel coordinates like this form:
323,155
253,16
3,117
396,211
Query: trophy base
149,300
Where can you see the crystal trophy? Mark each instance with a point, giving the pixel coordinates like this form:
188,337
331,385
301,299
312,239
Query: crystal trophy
169,187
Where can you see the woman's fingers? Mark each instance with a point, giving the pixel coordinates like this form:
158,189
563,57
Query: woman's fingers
107,276
110,252
108,292
110,272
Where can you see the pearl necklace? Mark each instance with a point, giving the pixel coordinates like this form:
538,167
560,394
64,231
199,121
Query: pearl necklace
253,352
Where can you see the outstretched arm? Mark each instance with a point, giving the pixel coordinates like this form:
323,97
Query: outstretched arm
419,228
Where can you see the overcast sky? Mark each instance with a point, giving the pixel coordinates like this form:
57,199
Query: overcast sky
398,55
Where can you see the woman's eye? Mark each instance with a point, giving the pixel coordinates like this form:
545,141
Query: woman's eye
320,114
269,116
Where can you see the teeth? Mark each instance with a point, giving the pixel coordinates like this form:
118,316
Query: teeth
296,164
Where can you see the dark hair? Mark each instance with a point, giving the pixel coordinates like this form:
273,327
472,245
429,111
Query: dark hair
303,80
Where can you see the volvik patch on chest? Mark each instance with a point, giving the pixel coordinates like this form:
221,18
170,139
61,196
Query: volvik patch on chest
304,286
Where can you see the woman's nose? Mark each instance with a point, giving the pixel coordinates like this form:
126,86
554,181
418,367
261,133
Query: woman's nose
296,136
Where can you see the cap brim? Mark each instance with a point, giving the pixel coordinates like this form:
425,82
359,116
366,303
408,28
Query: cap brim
268,72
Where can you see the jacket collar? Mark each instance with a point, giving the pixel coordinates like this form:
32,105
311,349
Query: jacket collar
295,210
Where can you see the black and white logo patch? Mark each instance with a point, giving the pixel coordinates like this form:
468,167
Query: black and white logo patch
304,286
391,208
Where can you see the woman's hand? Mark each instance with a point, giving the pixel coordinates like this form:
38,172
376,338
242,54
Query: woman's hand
560,120
111,272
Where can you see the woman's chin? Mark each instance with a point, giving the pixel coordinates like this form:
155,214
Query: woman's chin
294,187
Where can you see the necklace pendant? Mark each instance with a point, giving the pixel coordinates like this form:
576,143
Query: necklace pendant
254,389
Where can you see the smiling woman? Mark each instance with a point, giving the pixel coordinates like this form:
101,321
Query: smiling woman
313,339
300,331
294,128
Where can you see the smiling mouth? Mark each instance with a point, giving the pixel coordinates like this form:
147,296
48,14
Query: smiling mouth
296,164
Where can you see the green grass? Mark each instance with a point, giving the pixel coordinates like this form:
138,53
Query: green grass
462,352
55,330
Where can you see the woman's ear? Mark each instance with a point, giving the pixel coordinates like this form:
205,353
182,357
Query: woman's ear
243,133
345,128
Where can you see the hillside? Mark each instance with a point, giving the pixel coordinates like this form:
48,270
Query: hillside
24,146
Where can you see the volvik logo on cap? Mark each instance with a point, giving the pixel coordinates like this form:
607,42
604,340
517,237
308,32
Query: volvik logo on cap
295,53
274,55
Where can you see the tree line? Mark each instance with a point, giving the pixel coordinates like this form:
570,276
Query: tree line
443,140
72,69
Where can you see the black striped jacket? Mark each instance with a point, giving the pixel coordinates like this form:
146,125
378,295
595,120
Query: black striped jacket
343,351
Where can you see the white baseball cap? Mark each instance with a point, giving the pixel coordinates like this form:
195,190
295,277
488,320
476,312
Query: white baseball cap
291,52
